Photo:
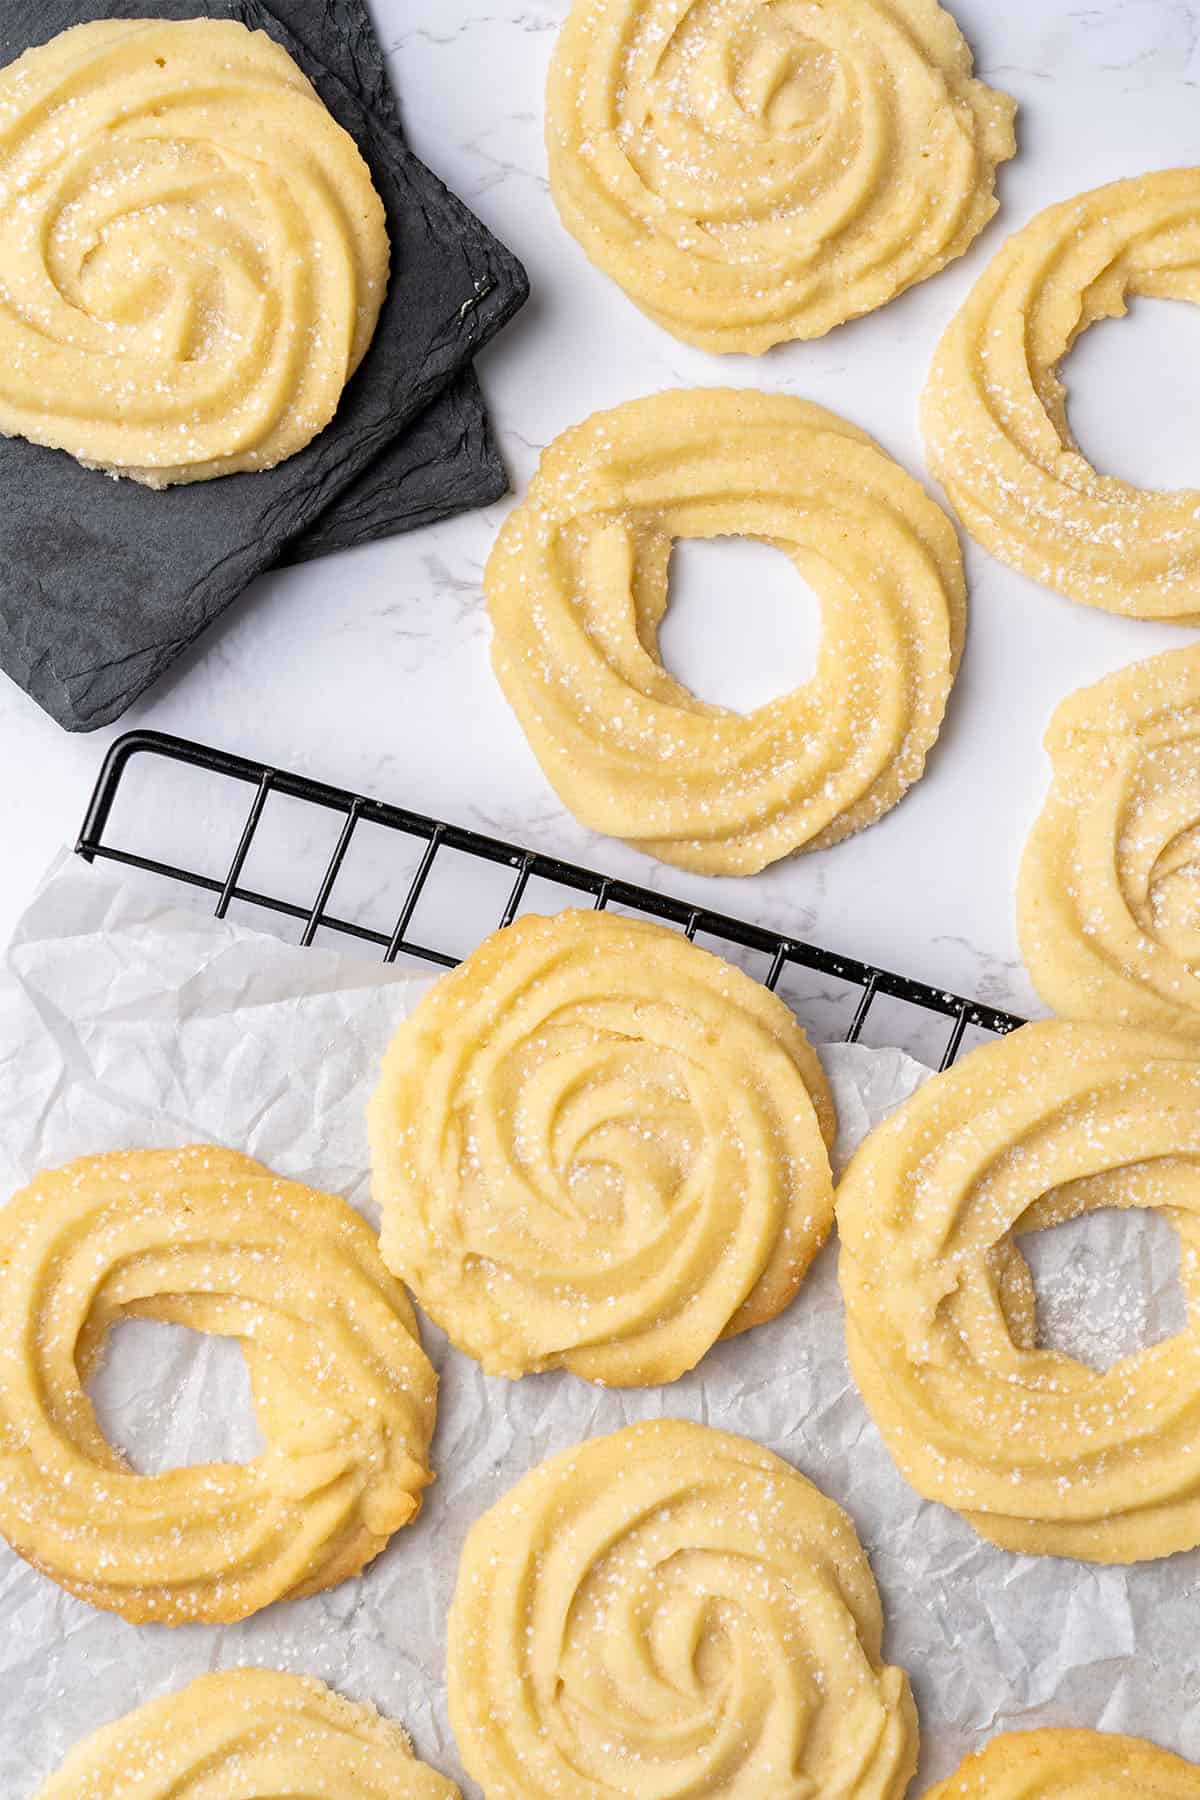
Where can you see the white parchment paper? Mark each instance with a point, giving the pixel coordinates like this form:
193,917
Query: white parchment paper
124,1022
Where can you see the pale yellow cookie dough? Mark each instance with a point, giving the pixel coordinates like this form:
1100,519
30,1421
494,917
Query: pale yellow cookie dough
1108,902
751,171
672,1611
1070,1765
994,412
577,587
192,254
248,1734
1041,1453
343,1393
599,1147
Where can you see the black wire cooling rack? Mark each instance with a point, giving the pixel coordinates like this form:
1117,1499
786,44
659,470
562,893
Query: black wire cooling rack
435,836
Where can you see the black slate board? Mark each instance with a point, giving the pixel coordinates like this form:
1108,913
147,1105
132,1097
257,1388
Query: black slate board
106,582
445,462
448,461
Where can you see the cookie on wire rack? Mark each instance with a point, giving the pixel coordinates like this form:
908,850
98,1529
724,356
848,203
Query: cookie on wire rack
598,1147
1040,1452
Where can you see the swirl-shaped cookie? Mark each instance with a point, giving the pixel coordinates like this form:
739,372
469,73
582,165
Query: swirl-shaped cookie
673,1611
1070,1765
343,1393
1041,1453
994,411
577,586
751,171
193,256
248,1734
1110,880
598,1147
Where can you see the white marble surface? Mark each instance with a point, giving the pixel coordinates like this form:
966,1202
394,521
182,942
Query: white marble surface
373,672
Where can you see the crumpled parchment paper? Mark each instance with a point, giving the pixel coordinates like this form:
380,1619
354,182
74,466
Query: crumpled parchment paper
125,1022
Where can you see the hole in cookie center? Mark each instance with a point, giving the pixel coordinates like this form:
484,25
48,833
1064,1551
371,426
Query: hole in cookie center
741,625
169,1397
1133,393
1107,1284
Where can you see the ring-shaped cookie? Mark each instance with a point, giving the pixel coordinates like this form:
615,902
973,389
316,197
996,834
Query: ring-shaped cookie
1041,1453
577,587
672,1611
751,171
994,412
343,1393
248,1734
194,254
596,1146
1110,879
1070,1765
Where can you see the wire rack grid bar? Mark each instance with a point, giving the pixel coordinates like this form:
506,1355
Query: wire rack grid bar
437,835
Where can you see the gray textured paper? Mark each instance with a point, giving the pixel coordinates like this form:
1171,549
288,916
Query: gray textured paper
106,582
127,1023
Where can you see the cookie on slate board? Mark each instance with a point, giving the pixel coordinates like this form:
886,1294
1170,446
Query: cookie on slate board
193,254
106,583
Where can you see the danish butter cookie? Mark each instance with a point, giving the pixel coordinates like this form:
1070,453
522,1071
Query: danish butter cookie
994,412
248,1734
342,1391
1108,903
673,1611
577,587
598,1147
192,254
751,171
1070,1765
1041,1453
